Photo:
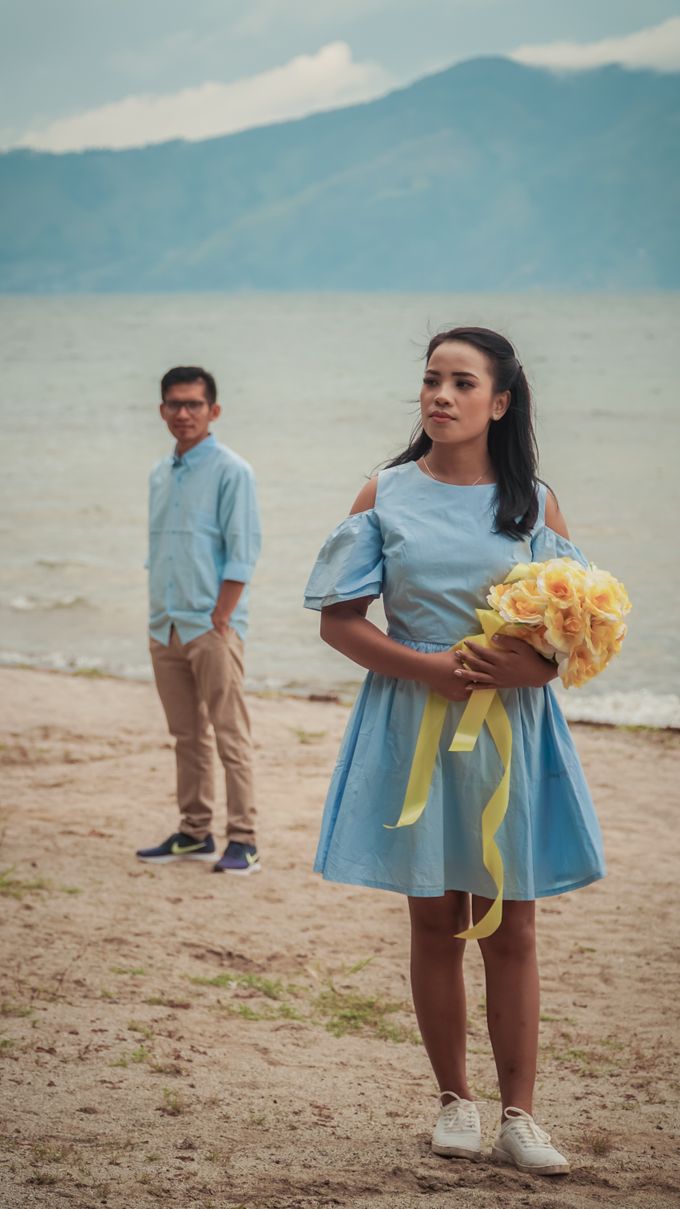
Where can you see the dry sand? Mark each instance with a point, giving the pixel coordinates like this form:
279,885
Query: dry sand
172,1036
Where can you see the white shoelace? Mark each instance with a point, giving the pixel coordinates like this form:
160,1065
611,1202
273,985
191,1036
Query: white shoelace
458,1112
526,1127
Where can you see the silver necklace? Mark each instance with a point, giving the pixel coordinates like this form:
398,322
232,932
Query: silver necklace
438,480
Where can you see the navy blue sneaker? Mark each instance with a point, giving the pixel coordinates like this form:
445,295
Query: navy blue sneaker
238,858
179,847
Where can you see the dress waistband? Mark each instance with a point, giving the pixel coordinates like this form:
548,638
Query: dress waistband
419,646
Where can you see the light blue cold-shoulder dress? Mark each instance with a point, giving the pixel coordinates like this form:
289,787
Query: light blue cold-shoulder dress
429,548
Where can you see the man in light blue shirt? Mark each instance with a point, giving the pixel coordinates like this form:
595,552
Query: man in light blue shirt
204,540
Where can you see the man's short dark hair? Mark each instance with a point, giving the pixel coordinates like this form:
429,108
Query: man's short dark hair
189,373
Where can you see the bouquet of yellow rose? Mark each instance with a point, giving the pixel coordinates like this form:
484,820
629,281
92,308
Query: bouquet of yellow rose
567,612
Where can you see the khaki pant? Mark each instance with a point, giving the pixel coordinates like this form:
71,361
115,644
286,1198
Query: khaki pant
199,683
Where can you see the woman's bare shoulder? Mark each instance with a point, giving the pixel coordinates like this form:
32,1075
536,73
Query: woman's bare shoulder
366,497
553,517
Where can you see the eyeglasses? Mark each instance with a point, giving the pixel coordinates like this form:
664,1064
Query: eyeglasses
193,406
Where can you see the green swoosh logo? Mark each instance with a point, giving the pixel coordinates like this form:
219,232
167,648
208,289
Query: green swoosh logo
180,849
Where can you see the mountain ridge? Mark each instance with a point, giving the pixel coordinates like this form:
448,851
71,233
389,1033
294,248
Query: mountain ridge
520,177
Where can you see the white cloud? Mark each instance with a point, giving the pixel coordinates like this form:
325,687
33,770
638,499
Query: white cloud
306,84
657,47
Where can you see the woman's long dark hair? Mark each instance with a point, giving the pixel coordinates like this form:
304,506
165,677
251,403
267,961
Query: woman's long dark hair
511,441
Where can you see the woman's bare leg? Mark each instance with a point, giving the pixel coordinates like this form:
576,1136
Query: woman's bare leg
512,999
438,987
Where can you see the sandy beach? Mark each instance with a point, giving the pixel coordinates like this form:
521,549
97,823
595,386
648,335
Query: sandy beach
172,1036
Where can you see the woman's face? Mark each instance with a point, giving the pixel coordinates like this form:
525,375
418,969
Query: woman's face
458,399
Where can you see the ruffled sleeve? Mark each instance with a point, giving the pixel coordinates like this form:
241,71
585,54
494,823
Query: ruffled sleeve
546,543
350,563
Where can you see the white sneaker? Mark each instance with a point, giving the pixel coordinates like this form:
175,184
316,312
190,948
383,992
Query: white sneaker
521,1142
457,1133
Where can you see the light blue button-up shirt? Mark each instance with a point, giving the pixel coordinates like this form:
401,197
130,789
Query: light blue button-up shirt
204,528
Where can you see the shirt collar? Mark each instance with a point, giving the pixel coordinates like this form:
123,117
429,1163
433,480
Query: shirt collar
195,454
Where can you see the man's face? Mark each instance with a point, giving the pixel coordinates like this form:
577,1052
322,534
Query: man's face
187,412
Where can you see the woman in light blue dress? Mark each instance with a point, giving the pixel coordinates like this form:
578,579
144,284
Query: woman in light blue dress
450,517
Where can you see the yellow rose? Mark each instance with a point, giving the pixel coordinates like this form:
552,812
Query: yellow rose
604,595
561,581
581,666
497,593
608,640
565,626
604,637
522,603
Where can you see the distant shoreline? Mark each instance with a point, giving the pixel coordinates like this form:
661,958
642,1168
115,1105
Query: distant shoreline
342,696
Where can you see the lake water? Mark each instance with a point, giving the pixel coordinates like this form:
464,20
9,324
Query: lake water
317,390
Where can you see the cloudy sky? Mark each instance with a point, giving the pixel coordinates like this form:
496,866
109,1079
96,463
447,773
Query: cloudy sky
117,73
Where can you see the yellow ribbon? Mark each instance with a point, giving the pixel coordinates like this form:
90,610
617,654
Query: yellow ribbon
484,706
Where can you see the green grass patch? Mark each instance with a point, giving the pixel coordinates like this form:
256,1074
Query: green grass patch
135,1026
246,1012
158,1067
271,988
285,1011
167,1001
15,887
344,1012
174,1103
264,1010
135,1058
590,1061
270,996
339,1011
358,965
306,737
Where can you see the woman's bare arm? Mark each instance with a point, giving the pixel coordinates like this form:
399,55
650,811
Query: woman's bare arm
346,628
553,517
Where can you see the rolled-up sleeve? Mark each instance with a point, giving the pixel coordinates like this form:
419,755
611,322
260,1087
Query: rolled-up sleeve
239,521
